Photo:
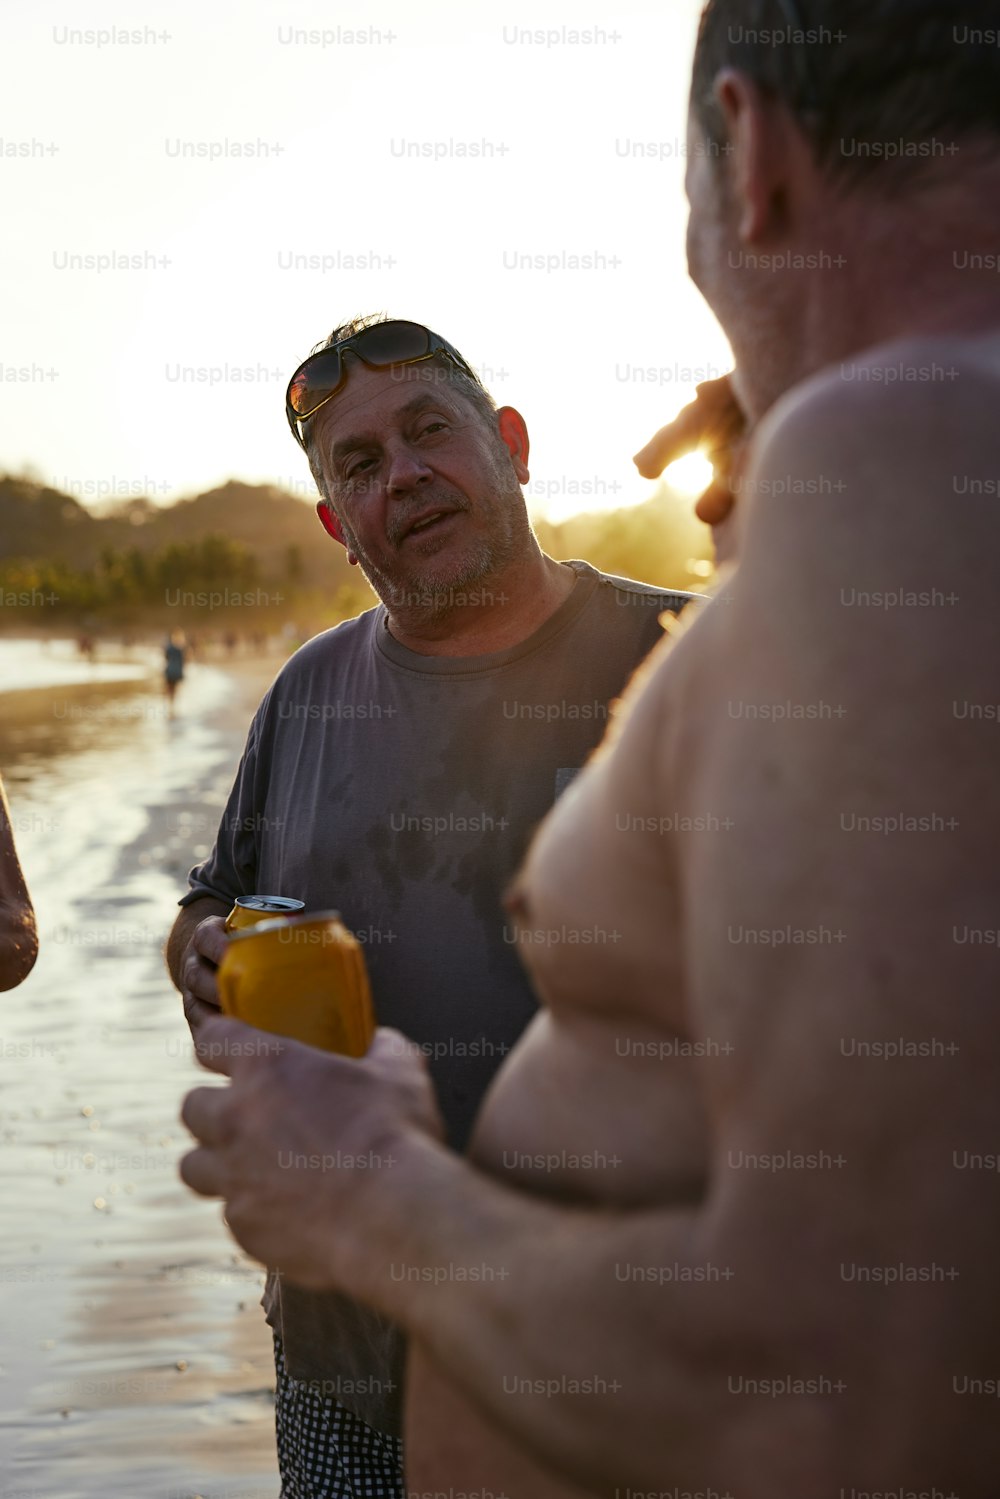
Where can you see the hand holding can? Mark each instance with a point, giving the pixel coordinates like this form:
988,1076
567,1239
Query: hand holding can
303,977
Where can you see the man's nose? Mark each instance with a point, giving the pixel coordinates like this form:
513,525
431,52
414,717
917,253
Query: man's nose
406,470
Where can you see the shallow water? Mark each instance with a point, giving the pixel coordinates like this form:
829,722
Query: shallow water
134,1357
53,663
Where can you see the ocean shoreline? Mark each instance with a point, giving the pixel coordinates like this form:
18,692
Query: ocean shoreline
137,1359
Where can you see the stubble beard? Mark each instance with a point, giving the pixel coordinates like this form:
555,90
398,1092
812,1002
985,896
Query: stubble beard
431,589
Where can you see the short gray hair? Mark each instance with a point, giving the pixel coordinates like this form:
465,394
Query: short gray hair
470,387
882,71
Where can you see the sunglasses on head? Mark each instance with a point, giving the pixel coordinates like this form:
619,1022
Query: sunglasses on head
323,374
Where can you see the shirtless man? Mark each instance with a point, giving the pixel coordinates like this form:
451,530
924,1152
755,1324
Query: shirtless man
725,1226
18,933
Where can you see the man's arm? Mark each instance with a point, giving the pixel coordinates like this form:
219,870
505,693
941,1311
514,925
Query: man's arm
467,1264
18,932
616,1381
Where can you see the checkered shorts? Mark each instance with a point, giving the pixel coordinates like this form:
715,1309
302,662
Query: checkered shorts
325,1451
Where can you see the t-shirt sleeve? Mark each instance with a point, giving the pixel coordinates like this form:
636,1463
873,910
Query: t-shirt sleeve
231,867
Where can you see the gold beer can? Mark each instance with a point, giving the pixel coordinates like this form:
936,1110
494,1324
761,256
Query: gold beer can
250,909
303,977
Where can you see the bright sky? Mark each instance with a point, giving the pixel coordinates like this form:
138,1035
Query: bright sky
166,374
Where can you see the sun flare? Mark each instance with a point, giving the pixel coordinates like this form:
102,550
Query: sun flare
690,475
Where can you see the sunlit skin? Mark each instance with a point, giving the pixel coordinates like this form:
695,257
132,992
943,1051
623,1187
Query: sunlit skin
700,449
680,1125
690,475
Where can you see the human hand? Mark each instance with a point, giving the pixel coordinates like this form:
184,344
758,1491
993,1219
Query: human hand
714,422
200,991
306,1148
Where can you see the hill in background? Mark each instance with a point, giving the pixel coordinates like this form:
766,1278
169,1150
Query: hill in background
38,523
136,563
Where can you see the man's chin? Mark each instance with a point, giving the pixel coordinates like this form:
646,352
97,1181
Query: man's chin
440,583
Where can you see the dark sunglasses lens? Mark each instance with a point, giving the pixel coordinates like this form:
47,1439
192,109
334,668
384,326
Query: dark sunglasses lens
382,345
317,378
392,343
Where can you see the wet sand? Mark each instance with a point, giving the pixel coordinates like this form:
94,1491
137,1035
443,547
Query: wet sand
135,1359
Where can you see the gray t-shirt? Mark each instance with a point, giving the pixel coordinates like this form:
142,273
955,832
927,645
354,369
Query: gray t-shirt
402,791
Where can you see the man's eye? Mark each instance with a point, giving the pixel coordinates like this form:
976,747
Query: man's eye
431,428
357,466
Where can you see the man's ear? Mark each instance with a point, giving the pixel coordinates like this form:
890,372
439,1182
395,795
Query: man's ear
331,525
759,152
514,435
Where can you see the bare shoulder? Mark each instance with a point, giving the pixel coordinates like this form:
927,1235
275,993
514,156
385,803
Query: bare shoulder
872,508
908,431
891,383
852,734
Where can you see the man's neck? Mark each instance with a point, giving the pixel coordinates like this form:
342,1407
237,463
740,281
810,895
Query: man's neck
491,615
929,272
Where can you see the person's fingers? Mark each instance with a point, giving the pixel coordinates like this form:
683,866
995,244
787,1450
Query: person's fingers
222,1043
716,503
388,1045
205,951
717,395
676,439
654,456
210,938
197,1011
201,1170
712,420
201,980
385,1053
207,1113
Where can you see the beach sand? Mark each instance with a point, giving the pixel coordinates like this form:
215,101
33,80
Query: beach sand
135,1357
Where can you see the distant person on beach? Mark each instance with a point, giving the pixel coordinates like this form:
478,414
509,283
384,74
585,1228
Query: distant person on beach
396,770
731,1221
18,932
173,670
